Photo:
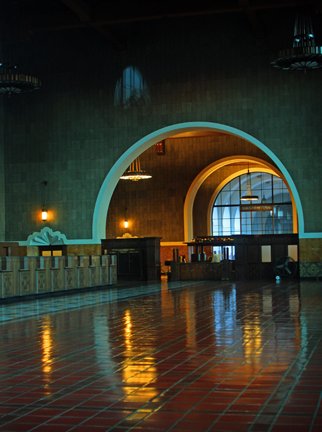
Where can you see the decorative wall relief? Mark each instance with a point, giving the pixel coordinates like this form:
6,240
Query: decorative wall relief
46,237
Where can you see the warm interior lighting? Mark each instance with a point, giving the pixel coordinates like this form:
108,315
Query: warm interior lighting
249,196
44,215
44,211
13,82
140,369
135,173
125,221
47,345
304,54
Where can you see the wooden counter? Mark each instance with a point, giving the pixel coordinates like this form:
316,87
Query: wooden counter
199,270
138,258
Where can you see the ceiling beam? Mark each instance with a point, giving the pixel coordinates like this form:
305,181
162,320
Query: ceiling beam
253,20
84,14
104,17
79,8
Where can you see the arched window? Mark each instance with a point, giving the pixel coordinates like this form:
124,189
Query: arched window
270,214
130,89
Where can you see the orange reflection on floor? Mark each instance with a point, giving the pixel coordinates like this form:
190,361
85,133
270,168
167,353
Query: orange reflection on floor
199,356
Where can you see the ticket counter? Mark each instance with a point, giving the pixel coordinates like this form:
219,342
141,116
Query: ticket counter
138,258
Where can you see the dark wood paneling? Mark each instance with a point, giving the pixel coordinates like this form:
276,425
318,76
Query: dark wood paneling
138,258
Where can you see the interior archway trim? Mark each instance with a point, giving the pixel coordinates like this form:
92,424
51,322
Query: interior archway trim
210,169
263,168
109,184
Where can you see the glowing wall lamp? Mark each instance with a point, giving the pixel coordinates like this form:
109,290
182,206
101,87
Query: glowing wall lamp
44,215
44,210
125,221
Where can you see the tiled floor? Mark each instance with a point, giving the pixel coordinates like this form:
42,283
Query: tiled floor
200,356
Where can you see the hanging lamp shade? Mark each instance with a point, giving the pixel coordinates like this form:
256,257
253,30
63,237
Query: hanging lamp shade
249,196
13,82
135,172
304,54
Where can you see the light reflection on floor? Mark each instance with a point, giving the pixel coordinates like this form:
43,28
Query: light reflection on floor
198,356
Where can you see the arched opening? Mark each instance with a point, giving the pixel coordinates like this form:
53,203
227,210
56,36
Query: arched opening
112,178
270,211
131,89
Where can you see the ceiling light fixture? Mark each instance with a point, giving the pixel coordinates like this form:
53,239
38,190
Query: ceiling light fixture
304,54
13,82
135,173
249,195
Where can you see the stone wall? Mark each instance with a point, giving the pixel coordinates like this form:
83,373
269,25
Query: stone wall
310,258
70,133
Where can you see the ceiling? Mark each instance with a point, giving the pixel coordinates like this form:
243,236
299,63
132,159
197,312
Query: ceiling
24,18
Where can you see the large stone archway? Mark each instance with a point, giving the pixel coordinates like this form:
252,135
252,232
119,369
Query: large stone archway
113,176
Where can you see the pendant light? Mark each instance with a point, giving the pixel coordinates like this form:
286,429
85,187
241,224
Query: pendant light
13,82
304,54
249,196
135,173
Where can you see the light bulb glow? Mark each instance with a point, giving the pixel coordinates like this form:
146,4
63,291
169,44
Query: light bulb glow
44,215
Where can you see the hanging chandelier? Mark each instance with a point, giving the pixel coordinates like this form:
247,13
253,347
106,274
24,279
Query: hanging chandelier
249,196
13,82
135,173
304,54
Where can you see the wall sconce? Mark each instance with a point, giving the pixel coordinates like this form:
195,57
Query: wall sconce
44,215
44,211
125,221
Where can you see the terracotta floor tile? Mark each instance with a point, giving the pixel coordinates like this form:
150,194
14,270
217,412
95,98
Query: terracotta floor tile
243,356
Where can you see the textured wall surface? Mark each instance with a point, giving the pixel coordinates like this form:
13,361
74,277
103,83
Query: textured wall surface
310,258
161,198
2,175
70,133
